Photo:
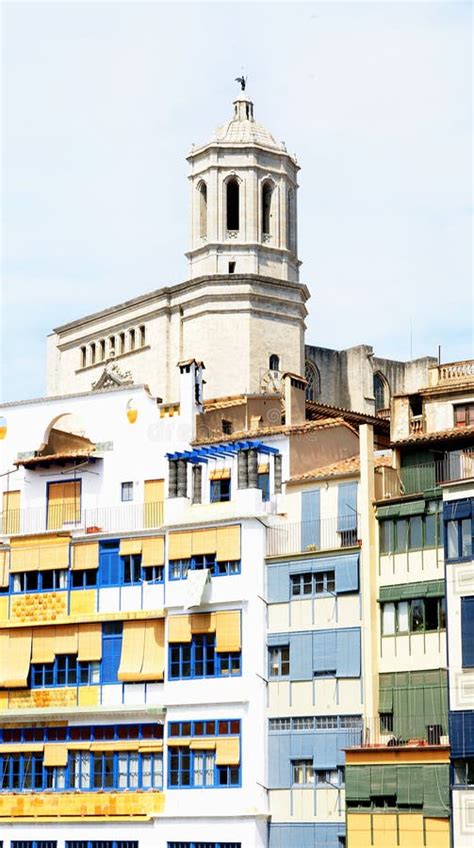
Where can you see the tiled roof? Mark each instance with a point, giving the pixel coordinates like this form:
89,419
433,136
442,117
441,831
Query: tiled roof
279,429
440,435
316,410
343,468
51,458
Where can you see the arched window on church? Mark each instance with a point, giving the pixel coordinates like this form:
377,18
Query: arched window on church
381,392
203,210
233,205
267,191
313,380
274,362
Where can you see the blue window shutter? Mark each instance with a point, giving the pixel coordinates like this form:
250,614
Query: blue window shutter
347,506
467,632
324,651
457,509
350,738
301,656
301,746
276,640
461,733
347,573
348,652
279,761
278,583
293,836
325,749
111,651
110,564
310,515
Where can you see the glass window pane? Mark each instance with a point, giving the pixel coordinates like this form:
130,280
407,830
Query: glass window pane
431,613
452,536
466,537
402,617
401,535
416,615
416,532
388,619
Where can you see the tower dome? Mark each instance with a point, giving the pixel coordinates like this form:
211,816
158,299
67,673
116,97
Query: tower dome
243,201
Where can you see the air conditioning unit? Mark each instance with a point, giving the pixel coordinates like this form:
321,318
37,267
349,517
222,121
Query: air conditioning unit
433,734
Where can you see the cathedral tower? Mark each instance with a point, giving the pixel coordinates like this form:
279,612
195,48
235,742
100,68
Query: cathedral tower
243,201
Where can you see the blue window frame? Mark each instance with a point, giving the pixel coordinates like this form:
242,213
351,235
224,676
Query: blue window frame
79,733
199,658
84,578
33,843
467,631
263,483
190,769
220,490
116,570
459,539
111,843
212,727
126,491
178,568
111,650
204,845
66,670
279,661
86,771
38,581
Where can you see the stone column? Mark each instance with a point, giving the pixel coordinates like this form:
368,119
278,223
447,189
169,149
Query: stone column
182,478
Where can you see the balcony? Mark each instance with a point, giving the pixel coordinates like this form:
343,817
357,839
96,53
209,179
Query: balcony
376,735
452,372
312,536
70,518
416,479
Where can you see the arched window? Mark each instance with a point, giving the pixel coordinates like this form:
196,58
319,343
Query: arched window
83,357
267,190
233,210
274,362
381,392
141,330
313,379
203,210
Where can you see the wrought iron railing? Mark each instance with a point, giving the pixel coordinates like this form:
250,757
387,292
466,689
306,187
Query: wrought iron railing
308,536
119,518
416,479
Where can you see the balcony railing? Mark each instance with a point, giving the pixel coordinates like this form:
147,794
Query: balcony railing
375,734
70,517
455,371
309,536
416,479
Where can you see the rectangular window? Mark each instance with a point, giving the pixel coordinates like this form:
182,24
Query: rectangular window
464,415
303,773
419,615
467,631
64,504
330,778
66,670
199,658
178,568
83,579
464,772
459,539
317,583
279,661
127,491
220,490
263,483
204,844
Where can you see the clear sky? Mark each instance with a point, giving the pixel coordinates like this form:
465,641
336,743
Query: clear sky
101,101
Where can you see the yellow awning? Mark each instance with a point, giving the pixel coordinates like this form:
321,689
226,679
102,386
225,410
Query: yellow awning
39,553
15,656
153,665
85,555
228,751
179,628
180,544
4,567
228,631
263,468
130,546
55,755
43,645
151,747
228,543
204,541
65,641
153,551
89,642
220,474
203,743
203,622
133,642
176,741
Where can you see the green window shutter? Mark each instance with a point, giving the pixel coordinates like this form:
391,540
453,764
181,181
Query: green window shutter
401,718
436,790
388,511
389,780
412,508
357,780
407,591
410,786
386,700
416,712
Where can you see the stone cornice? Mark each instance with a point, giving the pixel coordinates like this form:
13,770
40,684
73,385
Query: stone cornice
167,293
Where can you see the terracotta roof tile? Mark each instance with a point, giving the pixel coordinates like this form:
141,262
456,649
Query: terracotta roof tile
54,457
440,435
343,468
279,429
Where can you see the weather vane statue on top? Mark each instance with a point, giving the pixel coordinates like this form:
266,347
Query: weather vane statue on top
243,81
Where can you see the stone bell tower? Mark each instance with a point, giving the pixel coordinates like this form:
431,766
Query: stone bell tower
243,201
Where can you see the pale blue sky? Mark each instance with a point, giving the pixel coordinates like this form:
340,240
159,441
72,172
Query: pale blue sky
101,102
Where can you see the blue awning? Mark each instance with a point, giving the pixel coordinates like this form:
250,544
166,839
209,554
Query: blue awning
220,451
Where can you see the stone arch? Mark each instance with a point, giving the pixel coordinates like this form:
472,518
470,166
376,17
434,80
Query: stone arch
313,381
232,203
202,190
266,197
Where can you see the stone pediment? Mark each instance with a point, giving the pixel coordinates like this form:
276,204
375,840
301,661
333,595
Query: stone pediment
112,376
